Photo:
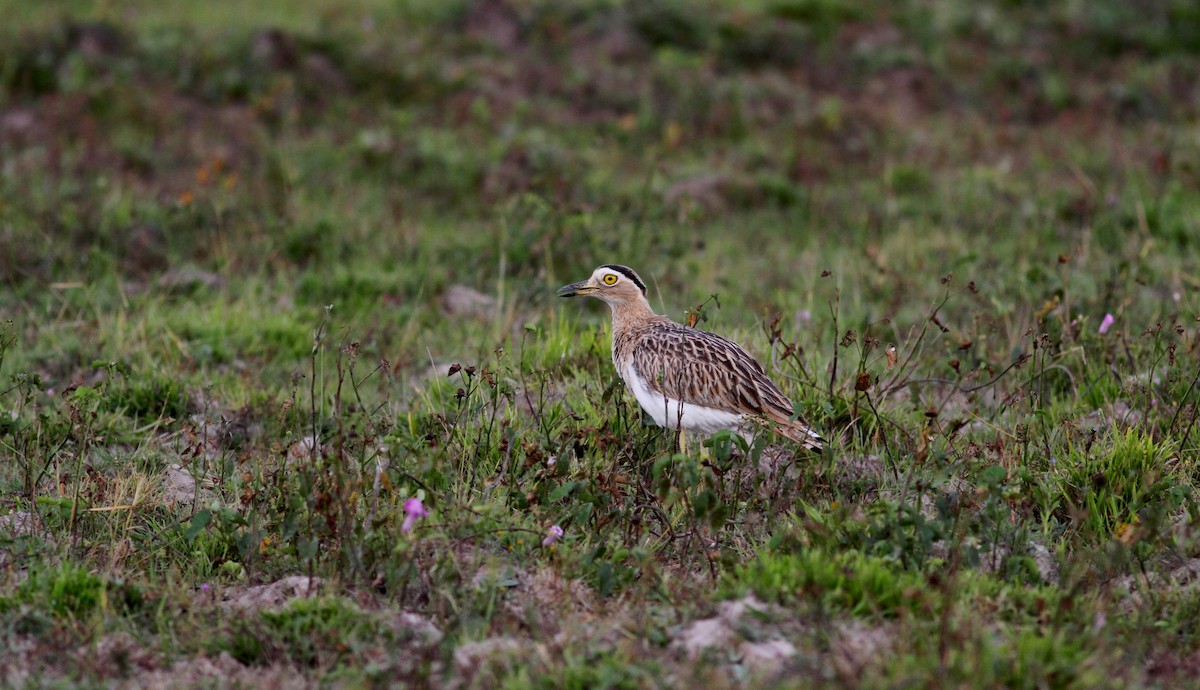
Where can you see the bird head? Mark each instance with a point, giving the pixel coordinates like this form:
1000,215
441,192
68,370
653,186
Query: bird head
612,283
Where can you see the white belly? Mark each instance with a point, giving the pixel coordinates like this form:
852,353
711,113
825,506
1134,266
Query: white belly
673,414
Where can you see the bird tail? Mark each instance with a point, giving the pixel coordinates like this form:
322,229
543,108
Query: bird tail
798,431
804,435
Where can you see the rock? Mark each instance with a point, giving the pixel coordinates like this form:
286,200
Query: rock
703,635
547,585
420,628
710,191
486,656
1047,566
220,671
187,279
18,122
718,631
179,486
303,449
766,658
20,523
992,559
733,610
1188,574
460,300
271,595
20,662
766,653
114,655
855,646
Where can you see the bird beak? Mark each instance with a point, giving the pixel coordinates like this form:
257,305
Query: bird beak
583,287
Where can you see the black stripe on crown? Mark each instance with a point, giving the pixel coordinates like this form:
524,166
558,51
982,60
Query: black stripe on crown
628,273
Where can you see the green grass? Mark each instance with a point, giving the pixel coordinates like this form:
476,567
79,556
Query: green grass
848,582
239,242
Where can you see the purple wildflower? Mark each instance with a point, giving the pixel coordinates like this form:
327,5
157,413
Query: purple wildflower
204,587
553,535
1106,323
415,509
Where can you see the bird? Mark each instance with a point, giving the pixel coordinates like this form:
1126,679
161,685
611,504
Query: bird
687,379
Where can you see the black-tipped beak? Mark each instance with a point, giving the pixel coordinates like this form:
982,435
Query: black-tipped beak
580,288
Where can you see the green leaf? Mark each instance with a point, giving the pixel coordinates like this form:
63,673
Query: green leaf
562,491
199,521
605,581
307,548
993,476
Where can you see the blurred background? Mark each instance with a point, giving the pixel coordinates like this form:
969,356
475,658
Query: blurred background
191,188
372,152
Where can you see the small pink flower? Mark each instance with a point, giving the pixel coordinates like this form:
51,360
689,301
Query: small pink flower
415,509
204,587
1106,323
553,535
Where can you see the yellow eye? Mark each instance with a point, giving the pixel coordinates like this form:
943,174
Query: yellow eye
610,279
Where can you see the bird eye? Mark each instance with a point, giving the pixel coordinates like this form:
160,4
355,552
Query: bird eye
610,279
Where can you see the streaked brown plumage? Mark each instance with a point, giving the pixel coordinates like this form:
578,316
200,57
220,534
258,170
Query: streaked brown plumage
683,377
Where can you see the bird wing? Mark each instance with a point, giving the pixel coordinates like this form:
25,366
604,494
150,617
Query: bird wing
702,368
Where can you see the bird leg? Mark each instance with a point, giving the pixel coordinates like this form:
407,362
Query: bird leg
705,454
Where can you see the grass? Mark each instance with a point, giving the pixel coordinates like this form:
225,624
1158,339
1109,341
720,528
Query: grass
271,274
